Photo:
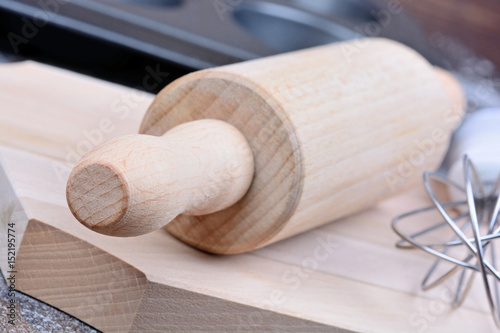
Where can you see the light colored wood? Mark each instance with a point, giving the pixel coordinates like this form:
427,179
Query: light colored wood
137,184
456,95
346,276
333,129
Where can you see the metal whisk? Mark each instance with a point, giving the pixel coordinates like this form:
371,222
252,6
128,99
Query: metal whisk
468,213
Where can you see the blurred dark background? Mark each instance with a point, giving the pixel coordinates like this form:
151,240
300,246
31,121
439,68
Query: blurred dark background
121,40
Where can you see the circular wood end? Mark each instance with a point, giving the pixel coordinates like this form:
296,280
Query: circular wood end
277,184
97,196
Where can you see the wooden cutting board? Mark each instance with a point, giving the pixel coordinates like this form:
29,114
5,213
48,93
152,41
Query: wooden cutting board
344,277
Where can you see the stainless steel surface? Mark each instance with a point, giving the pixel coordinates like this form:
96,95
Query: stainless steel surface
200,34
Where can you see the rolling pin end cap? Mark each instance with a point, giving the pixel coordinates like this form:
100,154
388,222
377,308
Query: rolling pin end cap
97,195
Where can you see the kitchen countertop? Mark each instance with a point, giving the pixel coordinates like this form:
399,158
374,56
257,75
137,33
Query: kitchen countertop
36,316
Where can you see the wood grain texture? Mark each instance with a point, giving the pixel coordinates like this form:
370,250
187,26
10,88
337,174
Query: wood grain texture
137,184
330,129
342,277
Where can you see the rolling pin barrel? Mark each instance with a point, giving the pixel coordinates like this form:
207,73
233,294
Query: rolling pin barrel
310,137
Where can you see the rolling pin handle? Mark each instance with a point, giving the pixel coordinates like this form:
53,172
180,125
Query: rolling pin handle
137,184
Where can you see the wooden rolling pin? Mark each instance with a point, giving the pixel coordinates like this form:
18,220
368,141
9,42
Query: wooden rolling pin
237,157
